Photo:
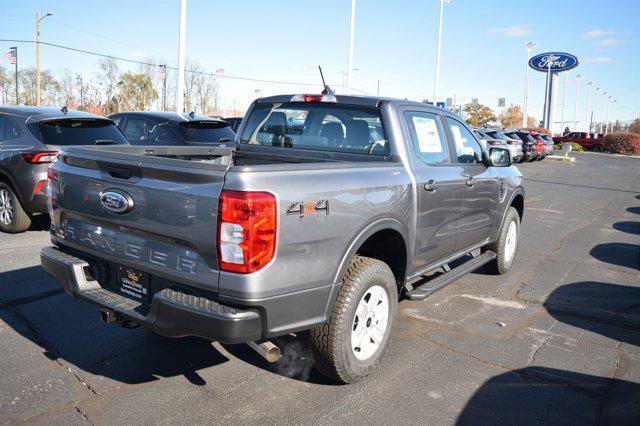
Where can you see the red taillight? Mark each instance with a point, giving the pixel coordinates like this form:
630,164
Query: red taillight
512,142
314,98
494,143
40,157
246,230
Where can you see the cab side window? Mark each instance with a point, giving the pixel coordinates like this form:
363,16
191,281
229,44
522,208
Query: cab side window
427,137
137,128
468,151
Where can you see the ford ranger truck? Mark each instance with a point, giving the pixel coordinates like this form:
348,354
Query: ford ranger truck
326,211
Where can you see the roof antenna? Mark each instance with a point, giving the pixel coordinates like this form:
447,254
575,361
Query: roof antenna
327,90
192,114
64,109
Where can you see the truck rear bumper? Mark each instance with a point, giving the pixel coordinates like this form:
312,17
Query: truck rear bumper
171,313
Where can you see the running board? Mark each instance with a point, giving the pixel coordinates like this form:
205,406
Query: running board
431,286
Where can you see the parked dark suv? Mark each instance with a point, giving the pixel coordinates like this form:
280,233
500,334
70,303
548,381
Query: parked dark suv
30,138
158,128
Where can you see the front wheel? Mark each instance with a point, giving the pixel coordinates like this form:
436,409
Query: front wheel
506,245
598,148
350,345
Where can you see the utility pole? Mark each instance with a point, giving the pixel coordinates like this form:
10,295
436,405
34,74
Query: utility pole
602,113
351,36
38,19
587,123
613,114
575,106
163,75
436,80
594,117
15,53
181,57
529,45
378,91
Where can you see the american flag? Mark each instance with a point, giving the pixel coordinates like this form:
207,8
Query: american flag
162,74
219,72
11,56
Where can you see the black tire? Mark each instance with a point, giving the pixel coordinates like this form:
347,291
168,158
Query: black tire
501,264
331,341
598,148
19,220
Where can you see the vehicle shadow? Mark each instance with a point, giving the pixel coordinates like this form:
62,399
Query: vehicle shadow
628,227
69,330
539,395
611,310
40,222
635,210
35,306
620,254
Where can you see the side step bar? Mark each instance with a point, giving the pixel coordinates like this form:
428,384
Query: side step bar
431,286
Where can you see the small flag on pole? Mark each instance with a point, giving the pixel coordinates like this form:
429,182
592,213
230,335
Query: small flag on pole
11,56
161,74
219,72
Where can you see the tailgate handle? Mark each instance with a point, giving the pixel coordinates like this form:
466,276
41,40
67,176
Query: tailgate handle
120,173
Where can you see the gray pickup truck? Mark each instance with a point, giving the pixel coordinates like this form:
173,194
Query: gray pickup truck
328,210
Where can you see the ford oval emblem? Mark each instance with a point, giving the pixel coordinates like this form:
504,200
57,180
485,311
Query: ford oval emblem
116,201
559,61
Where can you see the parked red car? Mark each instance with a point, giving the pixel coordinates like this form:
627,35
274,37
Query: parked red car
591,141
541,145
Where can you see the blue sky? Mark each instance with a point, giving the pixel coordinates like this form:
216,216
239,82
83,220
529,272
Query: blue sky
285,40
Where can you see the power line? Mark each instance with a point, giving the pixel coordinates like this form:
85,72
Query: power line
233,77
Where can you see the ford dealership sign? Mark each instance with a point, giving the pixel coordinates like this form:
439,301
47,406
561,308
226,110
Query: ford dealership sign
559,62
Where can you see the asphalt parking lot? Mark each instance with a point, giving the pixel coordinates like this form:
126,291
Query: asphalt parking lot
555,340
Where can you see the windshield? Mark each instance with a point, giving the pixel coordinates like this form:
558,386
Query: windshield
317,126
204,131
67,132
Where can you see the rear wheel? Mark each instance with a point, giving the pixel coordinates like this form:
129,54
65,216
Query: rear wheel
350,345
506,245
598,148
13,218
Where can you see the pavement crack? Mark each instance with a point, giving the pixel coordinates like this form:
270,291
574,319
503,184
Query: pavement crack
532,358
455,351
83,414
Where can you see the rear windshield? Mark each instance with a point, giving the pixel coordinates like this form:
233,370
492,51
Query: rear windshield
204,131
317,126
496,135
526,137
67,132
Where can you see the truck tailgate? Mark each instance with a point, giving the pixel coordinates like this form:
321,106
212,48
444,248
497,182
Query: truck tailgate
170,228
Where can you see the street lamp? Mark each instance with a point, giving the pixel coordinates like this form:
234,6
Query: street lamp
595,110
613,114
529,45
602,113
587,123
38,19
608,121
352,27
436,80
575,106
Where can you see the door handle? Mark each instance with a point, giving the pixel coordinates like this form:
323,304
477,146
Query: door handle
430,185
470,181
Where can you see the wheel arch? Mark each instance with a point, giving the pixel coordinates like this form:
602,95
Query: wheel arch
367,243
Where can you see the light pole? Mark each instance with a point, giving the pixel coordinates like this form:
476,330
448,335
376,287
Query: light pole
529,45
587,123
436,80
564,98
595,110
181,58
608,121
575,106
352,27
38,19
604,95
613,114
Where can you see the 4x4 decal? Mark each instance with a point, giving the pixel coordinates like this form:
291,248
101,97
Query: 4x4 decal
302,209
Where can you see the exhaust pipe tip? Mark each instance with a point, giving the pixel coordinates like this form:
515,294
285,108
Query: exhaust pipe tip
266,349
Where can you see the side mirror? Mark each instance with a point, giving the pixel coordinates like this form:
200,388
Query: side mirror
499,157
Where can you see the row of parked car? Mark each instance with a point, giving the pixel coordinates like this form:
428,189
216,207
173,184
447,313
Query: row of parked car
522,144
30,138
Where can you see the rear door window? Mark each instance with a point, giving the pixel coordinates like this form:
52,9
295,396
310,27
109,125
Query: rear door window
427,137
468,150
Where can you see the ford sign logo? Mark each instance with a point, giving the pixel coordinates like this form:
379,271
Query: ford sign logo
115,201
559,62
